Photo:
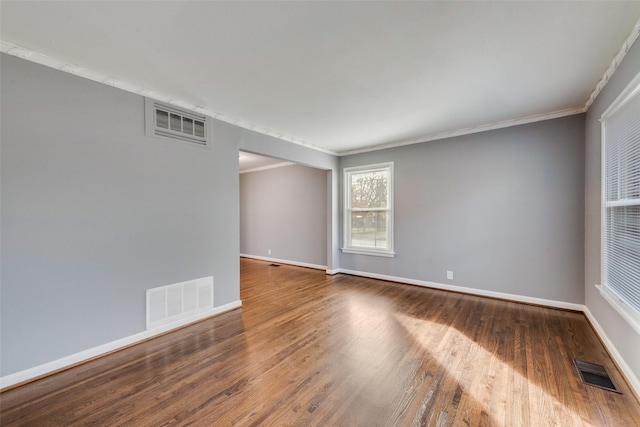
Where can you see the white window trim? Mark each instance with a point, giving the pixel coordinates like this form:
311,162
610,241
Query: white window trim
347,248
620,306
628,313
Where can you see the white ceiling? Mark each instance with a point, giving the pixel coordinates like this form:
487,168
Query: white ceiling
341,76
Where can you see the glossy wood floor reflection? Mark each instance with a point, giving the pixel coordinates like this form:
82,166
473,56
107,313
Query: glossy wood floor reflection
313,350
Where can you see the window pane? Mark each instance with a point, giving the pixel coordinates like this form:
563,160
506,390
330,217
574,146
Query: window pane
622,247
369,229
369,189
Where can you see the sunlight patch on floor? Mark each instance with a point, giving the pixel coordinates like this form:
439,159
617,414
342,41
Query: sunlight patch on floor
511,393
371,333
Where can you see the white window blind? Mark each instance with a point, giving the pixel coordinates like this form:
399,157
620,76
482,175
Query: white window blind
621,198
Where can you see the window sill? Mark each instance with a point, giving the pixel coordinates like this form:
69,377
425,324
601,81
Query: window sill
621,307
360,251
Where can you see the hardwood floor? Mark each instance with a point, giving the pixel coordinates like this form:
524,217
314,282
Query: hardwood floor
309,349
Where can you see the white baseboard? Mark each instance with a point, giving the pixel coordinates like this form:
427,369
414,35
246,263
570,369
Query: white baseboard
631,378
285,261
85,355
332,272
471,291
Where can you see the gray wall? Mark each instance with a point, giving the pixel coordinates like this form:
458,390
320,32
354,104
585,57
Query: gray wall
621,334
502,209
284,209
94,212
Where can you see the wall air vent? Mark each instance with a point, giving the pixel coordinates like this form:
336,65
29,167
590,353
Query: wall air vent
168,121
179,302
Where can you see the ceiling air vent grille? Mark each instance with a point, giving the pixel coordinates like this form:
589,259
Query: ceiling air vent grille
168,121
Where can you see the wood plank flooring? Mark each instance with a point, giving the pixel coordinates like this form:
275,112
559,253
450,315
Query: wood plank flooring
313,350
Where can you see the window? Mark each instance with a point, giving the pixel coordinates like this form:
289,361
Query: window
368,219
621,204
168,121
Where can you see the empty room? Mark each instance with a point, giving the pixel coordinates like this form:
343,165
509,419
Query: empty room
320,213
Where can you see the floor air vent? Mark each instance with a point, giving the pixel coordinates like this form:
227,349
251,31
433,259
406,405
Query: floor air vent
274,265
595,375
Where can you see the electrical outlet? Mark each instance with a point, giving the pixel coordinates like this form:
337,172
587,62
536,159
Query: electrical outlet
449,275
269,251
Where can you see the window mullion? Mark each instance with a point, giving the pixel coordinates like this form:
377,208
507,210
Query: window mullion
369,209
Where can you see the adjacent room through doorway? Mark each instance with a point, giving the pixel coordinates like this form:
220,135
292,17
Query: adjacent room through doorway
283,211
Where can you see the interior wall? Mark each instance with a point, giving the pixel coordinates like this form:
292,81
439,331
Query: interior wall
624,338
502,209
93,212
284,210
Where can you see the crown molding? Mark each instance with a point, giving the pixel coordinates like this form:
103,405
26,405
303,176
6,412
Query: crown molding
264,168
468,131
626,46
42,59
48,61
